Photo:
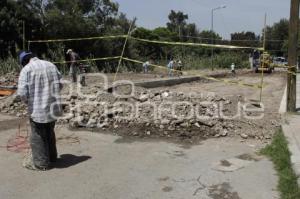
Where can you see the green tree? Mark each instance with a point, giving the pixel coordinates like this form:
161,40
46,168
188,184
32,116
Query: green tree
12,15
276,35
177,22
245,39
207,36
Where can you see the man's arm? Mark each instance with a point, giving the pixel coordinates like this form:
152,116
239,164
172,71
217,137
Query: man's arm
23,91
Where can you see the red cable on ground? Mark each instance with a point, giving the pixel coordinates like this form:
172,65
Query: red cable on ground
18,143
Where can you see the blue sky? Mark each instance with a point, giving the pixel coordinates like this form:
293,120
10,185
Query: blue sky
239,15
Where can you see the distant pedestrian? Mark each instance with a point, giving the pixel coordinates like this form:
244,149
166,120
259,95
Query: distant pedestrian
146,66
170,67
39,87
232,68
73,58
251,61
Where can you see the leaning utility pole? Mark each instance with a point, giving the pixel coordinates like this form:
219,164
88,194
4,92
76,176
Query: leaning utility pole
292,56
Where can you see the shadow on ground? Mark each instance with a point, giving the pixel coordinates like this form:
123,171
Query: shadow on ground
68,160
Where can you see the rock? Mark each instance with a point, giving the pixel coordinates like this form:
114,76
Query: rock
144,98
165,94
148,133
268,137
165,121
68,116
178,122
92,123
135,134
185,124
161,127
73,96
227,102
197,125
244,136
171,128
206,123
102,125
230,126
94,115
225,133
74,123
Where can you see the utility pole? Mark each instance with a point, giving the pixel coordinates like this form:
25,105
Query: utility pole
292,56
264,61
24,37
212,34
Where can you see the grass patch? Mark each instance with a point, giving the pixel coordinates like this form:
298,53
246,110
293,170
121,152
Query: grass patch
280,155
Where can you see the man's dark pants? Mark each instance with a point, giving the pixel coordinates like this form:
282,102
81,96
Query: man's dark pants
43,143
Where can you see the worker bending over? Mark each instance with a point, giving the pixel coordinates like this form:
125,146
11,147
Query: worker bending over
39,87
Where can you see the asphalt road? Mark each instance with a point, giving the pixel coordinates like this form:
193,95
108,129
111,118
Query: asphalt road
109,167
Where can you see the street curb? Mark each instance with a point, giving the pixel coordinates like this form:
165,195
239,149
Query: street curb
291,132
154,83
282,108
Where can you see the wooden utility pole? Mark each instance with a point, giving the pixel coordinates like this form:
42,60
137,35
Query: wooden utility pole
292,56
264,61
24,37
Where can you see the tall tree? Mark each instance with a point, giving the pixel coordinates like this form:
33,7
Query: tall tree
12,15
177,21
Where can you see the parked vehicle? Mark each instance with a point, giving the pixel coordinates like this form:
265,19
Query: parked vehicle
280,61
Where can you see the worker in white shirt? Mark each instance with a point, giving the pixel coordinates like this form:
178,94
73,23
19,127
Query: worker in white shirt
170,67
145,66
232,68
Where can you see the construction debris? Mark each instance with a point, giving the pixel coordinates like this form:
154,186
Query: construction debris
160,113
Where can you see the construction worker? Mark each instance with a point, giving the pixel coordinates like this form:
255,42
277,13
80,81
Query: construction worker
170,67
232,68
73,60
39,87
145,66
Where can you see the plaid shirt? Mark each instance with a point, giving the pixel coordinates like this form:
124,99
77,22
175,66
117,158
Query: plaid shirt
39,87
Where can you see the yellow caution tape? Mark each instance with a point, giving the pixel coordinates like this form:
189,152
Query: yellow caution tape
87,60
258,86
194,44
77,39
289,72
146,40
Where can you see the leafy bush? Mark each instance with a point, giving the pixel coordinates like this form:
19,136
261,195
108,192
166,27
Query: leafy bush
9,65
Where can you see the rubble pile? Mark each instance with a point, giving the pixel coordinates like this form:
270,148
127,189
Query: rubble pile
12,105
9,79
154,112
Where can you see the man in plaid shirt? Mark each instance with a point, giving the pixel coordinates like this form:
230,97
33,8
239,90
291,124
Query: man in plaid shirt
39,87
